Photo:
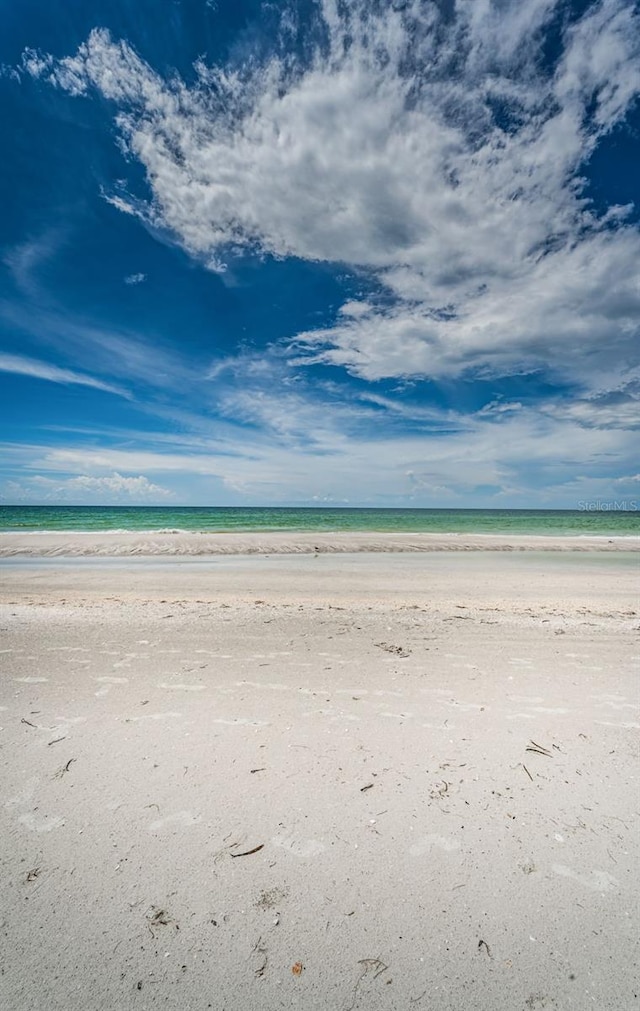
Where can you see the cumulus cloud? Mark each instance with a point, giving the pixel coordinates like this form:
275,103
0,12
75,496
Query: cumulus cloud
84,487
135,278
439,148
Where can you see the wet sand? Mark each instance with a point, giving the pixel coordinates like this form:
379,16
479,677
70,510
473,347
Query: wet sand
357,781
127,543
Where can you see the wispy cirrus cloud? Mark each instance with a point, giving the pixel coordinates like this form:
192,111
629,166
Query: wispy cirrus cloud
438,148
19,365
521,456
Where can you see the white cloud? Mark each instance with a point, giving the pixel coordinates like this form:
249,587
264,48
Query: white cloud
617,408
440,154
120,204
520,456
19,365
84,487
135,278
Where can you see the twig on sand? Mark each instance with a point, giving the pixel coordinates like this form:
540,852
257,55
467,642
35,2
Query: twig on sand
64,768
56,740
29,724
483,944
527,771
539,749
247,853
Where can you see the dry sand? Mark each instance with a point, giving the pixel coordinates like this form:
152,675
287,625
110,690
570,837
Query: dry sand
361,727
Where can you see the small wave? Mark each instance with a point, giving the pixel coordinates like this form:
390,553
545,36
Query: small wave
166,530
97,533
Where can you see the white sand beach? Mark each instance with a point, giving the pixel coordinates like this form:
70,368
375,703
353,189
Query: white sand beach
321,781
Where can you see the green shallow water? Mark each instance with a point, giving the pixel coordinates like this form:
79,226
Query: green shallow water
598,521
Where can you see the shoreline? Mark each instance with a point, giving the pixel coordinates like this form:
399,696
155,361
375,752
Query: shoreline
49,544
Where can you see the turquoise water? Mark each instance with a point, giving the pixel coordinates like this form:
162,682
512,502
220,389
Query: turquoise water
606,522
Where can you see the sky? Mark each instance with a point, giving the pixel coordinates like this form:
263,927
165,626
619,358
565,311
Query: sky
319,252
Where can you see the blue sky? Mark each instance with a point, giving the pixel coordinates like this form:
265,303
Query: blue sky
375,253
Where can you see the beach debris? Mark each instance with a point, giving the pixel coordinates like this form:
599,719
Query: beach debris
367,787
157,917
258,949
28,722
537,1001
297,968
225,850
439,790
527,771
538,749
396,650
160,917
263,769
56,740
32,874
529,867
374,965
271,898
483,944
63,768
247,853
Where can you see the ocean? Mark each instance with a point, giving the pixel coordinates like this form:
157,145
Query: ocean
594,519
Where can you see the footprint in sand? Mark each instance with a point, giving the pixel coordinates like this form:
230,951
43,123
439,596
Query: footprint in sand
622,726
552,712
599,881
184,818
241,722
107,683
427,843
26,794
42,823
178,687
154,716
302,848
264,684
